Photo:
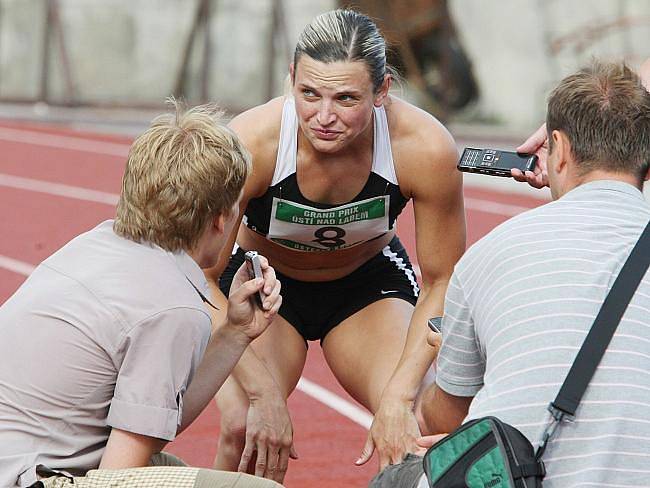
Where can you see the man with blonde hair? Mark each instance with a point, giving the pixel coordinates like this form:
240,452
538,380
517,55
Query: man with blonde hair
107,348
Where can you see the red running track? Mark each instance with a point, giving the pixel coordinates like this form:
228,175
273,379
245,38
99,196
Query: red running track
56,183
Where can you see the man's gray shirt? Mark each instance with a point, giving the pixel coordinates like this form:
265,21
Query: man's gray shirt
517,310
105,333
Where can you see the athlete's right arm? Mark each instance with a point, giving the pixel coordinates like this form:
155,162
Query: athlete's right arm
268,428
255,128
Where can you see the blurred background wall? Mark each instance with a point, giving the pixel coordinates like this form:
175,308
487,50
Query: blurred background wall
137,52
469,60
520,49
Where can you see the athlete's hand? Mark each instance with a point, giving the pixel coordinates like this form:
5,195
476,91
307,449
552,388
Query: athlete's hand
537,144
243,313
269,433
393,433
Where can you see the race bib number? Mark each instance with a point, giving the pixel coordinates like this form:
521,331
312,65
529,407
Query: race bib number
306,228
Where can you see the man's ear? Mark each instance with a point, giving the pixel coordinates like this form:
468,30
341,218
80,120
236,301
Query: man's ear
382,93
219,223
561,151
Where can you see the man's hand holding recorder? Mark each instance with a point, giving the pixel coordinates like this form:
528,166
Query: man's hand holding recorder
254,296
528,164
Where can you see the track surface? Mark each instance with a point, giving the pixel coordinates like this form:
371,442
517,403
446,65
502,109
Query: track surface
56,183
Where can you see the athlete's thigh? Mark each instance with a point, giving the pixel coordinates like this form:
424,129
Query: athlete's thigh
283,351
364,349
280,347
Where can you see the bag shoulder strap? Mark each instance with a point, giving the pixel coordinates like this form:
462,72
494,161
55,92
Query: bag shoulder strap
605,324
584,366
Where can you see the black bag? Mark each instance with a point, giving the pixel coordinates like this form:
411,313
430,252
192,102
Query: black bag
488,453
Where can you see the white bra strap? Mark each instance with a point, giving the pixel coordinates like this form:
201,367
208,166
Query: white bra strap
382,155
285,161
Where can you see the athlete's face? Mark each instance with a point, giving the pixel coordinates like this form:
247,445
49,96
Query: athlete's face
333,101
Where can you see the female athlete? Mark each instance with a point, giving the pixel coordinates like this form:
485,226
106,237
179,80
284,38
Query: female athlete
334,164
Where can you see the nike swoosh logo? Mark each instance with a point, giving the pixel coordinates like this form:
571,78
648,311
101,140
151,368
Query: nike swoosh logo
386,292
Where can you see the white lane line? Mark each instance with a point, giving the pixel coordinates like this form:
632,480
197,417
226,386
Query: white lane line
117,149
58,189
323,395
64,142
16,266
335,402
79,193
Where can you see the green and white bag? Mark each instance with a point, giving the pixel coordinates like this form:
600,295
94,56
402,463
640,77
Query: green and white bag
484,453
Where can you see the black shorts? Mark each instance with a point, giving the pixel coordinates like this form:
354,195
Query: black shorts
314,308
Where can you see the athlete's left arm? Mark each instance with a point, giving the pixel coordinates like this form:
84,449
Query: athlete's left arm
428,175
436,188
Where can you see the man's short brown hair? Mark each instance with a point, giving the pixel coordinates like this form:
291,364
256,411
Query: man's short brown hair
183,171
604,111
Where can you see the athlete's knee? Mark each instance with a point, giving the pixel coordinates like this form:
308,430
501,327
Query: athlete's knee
233,427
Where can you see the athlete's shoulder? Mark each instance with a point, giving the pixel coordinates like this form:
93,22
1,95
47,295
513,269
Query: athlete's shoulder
259,127
417,136
259,130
